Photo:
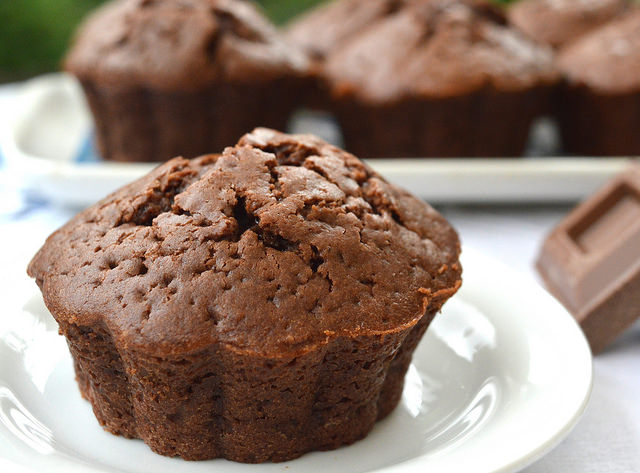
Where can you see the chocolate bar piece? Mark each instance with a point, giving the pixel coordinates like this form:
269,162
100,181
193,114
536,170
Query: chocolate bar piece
591,260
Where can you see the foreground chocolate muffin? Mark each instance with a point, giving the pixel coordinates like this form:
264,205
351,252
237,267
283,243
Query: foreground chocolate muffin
440,78
254,305
166,77
557,23
599,109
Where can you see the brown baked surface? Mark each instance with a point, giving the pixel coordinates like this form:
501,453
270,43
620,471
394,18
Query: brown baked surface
558,23
436,49
328,26
254,305
186,45
468,126
599,104
607,59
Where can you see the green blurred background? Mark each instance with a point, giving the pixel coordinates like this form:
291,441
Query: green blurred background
35,33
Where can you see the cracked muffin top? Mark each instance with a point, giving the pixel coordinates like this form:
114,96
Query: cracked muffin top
175,44
438,48
274,247
558,22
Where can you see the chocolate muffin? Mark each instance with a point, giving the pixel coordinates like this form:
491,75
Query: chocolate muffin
254,305
440,78
599,109
167,77
558,22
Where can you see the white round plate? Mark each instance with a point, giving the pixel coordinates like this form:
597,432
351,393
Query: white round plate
500,378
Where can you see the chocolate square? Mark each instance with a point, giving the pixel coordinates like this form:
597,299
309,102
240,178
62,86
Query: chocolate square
591,260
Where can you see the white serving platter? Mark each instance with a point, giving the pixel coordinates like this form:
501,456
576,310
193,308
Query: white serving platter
47,145
502,375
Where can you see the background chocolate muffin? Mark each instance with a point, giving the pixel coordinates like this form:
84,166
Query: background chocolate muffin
252,306
599,108
166,78
439,78
558,22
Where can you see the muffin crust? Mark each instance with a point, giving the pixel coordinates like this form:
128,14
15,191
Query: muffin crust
329,26
560,22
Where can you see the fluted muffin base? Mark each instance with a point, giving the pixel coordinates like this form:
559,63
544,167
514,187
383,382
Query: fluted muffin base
486,123
597,124
135,124
224,403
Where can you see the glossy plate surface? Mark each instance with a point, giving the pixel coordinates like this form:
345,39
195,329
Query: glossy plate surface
501,376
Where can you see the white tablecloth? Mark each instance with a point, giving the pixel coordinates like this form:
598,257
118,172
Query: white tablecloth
607,439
